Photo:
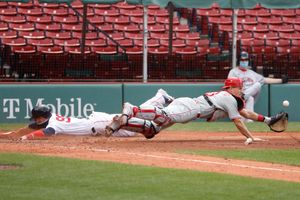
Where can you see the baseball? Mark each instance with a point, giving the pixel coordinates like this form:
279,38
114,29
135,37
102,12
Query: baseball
285,103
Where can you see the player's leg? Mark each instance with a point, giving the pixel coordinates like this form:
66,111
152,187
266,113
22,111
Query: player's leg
145,112
161,99
252,91
146,127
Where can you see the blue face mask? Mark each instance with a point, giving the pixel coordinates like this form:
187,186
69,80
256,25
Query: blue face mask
244,64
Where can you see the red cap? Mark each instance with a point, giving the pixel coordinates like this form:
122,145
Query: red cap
233,82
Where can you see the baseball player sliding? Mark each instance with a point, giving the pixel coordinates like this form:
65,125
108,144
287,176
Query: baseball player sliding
150,120
45,123
252,81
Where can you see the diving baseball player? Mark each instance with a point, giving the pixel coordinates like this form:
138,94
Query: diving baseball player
46,123
252,81
149,120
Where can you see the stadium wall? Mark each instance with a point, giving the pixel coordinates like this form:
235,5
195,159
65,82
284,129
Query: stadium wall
78,100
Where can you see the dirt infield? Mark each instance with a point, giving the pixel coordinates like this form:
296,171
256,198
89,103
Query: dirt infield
161,151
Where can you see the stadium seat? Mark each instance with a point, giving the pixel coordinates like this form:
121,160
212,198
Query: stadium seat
28,49
289,28
258,12
67,42
97,42
108,28
32,34
157,28
162,36
256,28
22,26
30,12
197,43
45,19
127,28
61,11
48,27
72,27
165,20
76,50
291,20
175,43
134,50
188,36
135,36
179,28
158,12
106,12
271,20
46,42
59,35
132,13
159,50
13,41
283,12
71,19
247,20
13,18
117,19
50,50
278,43
104,50
88,35
140,20
3,26
151,43
124,42
8,11
96,19
8,34
269,35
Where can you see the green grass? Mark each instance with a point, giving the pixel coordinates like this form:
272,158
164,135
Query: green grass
288,156
228,127
50,178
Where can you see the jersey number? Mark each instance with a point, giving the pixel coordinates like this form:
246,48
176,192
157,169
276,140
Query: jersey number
63,119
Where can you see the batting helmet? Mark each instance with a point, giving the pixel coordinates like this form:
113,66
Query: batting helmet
40,111
233,82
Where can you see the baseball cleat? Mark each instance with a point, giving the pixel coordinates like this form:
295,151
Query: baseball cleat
166,96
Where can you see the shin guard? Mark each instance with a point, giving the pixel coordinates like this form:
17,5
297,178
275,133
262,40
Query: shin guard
148,128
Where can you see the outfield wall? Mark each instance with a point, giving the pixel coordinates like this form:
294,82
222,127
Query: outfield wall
78,100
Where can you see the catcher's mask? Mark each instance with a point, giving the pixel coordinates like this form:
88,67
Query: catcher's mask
233,82
40,111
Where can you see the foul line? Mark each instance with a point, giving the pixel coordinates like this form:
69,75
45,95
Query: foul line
194,160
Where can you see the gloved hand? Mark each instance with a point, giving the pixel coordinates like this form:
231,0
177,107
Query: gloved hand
284,78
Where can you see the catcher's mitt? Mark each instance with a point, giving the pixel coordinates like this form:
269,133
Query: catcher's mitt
279,122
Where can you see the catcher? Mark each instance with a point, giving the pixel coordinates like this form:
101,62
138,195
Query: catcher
150,120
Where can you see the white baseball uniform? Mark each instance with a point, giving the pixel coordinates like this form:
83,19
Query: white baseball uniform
97,121
252,83
185,109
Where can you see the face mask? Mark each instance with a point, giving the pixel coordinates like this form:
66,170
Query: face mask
244,64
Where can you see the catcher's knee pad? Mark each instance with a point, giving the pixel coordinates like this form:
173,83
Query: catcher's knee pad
148,128
152,113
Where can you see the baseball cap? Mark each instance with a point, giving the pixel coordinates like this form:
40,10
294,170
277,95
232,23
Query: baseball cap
244,55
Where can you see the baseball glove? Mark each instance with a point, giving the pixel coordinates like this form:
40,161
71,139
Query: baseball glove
279,122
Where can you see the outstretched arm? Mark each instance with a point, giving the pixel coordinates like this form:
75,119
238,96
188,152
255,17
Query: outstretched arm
38,134
13,135
273,80
248,114
244,130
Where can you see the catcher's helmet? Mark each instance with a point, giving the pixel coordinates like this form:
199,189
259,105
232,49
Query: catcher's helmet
233,82
40,111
